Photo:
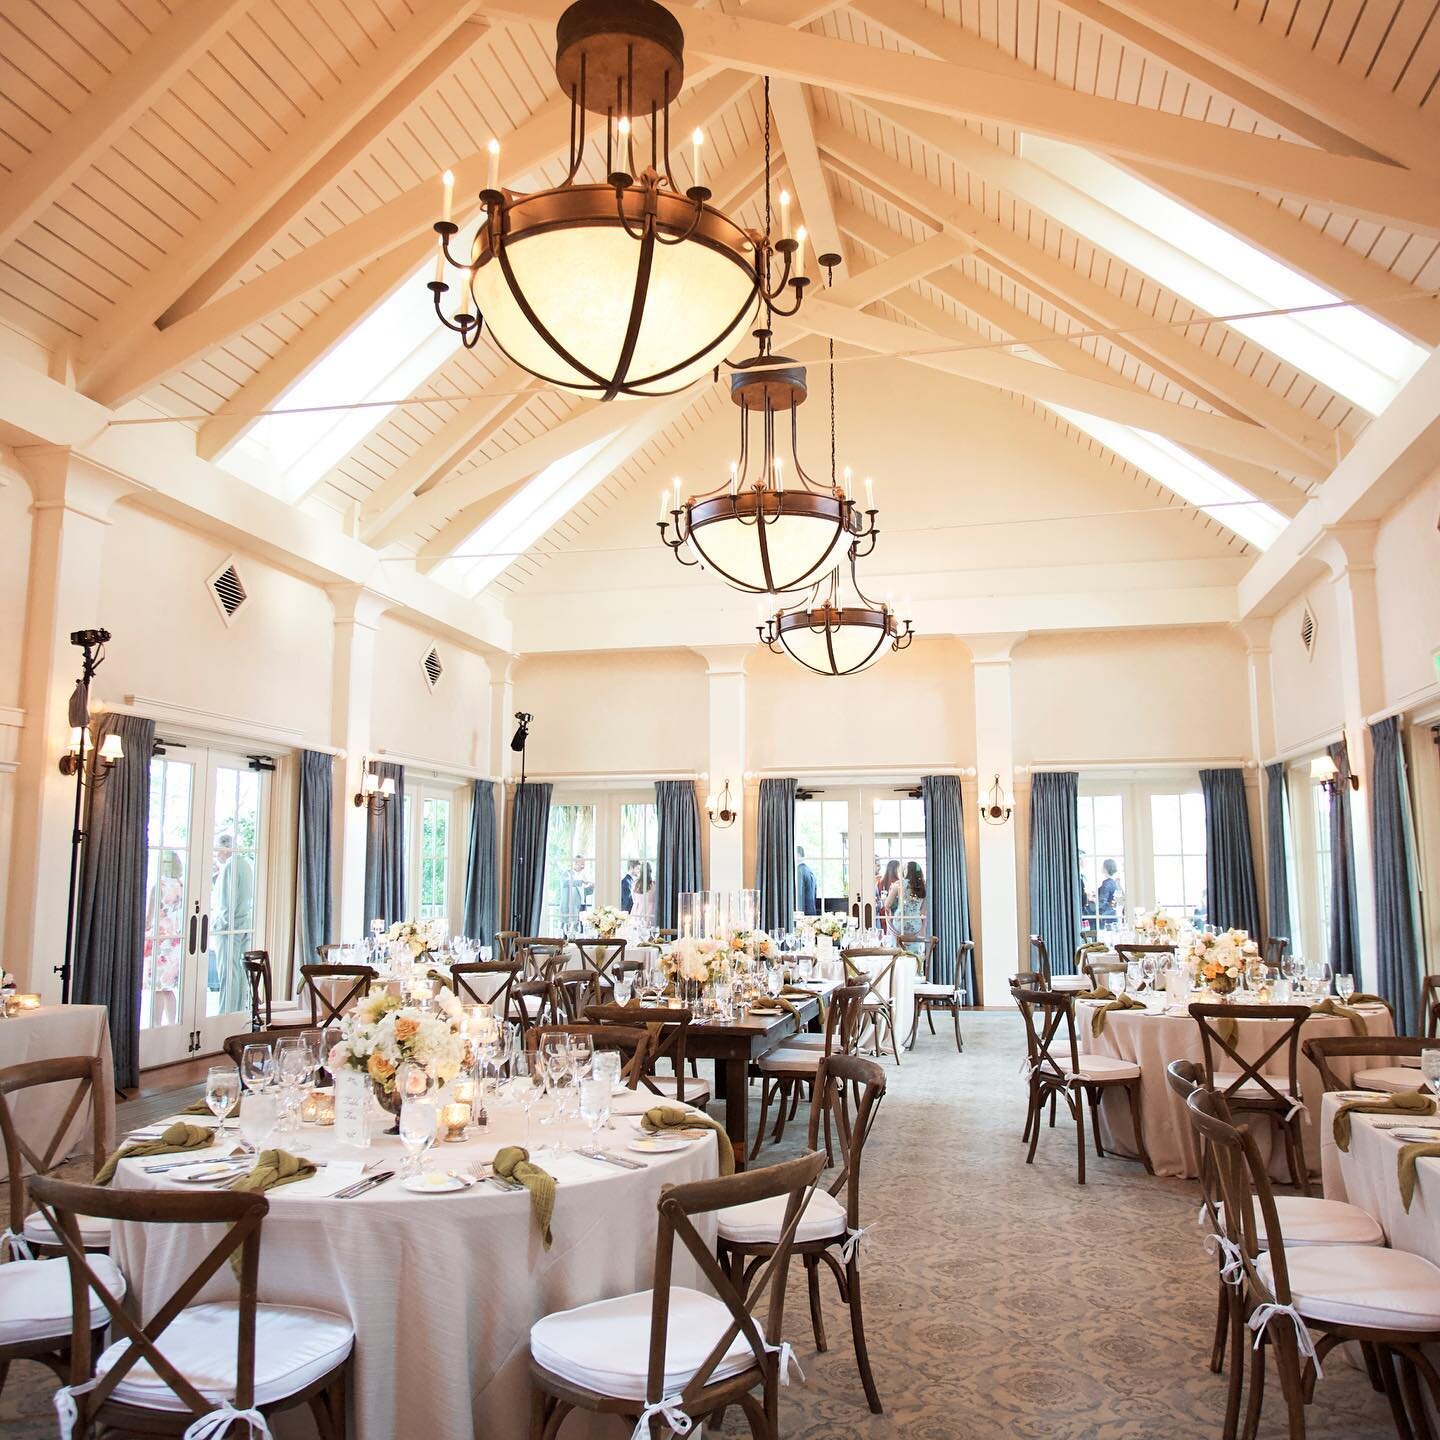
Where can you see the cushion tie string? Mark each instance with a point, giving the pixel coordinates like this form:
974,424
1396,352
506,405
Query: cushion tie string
668,1410
1232,1261
214,1423
66,1408
855,1241
786,1352
1298,1108
17,1244
1265,1313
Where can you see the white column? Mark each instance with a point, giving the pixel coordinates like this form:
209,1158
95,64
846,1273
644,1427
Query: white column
1262,698
502,714
726,759
71,507
1000,948
1349,552
357,618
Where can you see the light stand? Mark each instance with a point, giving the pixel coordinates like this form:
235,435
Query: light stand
521,735
92,646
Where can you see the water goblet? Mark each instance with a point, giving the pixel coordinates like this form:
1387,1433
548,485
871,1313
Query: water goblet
595,1107
258,1115
222,1090
1344,986
417,1131
257,1068
1430,1069
606,1066
526,1084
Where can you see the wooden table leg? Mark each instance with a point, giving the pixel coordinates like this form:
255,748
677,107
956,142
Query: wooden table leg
737,1105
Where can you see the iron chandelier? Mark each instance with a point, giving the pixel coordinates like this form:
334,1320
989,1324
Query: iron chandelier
633,286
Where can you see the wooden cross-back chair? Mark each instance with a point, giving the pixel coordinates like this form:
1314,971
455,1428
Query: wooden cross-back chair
1390,1299
1430,1006
669,1030
848,1092
490,982
598,958
143,1389
932,994
540,990
1100,971
1128,951
1041,961
1389,1079
677,1352
877,1008
1249,1089
504,943
633,1042
30,1236
324,1010
1275,948
324,952
261,982
1057,1070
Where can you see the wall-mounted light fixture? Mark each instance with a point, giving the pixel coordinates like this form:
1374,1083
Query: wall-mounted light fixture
720,808
111,750
997,809
1325,770
376,791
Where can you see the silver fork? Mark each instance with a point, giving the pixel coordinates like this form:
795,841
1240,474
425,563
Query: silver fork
501,1182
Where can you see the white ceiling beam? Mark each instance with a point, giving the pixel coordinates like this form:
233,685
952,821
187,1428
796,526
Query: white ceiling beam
791,110
342,127
1331,94
901,266
438,456
1352,184
1168,351
1106,401
54,165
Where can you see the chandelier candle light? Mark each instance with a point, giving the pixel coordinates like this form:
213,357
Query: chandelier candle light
631,286
832,633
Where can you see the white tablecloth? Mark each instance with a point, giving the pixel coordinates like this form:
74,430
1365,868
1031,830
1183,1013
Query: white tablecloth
902,991
442,1289
1366,1175
1152,1039
51,1033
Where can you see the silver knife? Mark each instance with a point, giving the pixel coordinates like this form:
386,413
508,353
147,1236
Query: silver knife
613,1159
362,1186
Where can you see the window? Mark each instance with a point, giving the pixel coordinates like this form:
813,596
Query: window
1320,871
900,864
569,865
167,858
1177,840
1102,861
639,858
433,896
822,831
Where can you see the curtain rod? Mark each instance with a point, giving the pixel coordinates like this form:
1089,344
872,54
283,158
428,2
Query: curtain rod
1051,766
436,767
610,777
1313,744
843,772
213,725
1415,700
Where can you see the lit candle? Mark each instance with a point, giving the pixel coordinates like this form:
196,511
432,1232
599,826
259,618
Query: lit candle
779,473
734,477
447,195
455,1118
784,214
27,1002
697,139
845,475
869,493
678,504
664,505
492,175
800,252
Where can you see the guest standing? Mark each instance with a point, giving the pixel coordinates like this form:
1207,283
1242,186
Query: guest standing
806,900
627,885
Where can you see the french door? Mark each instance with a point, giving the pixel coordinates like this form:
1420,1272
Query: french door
204,900
859,844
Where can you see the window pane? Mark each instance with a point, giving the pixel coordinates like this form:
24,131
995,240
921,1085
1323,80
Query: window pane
1169,883
569,864
1192,823
1165,824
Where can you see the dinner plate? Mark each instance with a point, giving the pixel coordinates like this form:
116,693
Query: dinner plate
766,1010
209,1174
434,1183
1430,1136
659,1144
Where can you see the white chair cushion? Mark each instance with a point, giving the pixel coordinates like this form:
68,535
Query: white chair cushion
605,1346
931,990
294,1347
760,1220
1309,1220
785,1061
1104,1067
35,1297
1069,982
805,1042
1253,1089
1392,1079
1362,1285
697,1092
94,1231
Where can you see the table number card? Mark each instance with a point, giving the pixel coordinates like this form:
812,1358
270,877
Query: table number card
352,1105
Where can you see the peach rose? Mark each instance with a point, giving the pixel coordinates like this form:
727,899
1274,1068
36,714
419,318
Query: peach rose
406,1028
379,1067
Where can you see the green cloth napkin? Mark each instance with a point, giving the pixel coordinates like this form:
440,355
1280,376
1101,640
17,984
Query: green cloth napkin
768,1001
201,1107
1363,997
1121,1002
669,1117
1100,992
1330,1006
1407,1103
272,1168
513,1163
1409,1154
180,1136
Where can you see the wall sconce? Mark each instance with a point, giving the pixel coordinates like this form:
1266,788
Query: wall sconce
996,810
375,792
720,809
111,750
1325,770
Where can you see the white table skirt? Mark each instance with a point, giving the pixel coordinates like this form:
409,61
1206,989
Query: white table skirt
1153,1039
442,1289
52,1033
1367,1175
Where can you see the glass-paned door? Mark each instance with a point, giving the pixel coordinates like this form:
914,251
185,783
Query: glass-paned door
569,865
639,857
205,863
1102,860
1177,847
433,891
823,826
901,872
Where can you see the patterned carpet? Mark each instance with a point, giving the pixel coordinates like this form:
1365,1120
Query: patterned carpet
1001,1300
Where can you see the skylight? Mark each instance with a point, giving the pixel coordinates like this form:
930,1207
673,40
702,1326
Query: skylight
388,354
522,520
1350,352
1191,479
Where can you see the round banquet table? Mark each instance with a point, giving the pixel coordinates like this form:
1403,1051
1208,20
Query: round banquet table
1153,1038
442,1288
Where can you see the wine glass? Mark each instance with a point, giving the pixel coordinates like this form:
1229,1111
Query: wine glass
605,1065
581,1052
1322,979
294,1064
1344,986
222,1090
1430,1068
258,1115
257,1068
595,1106
417,1132
526,1084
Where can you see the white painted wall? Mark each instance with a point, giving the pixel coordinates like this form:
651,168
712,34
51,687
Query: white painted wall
1407,584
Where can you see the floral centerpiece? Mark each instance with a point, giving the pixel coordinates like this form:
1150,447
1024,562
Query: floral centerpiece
1159,926
605,922
1220,960
423,937
751,942
831,925
693,961
382,1033
7,982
